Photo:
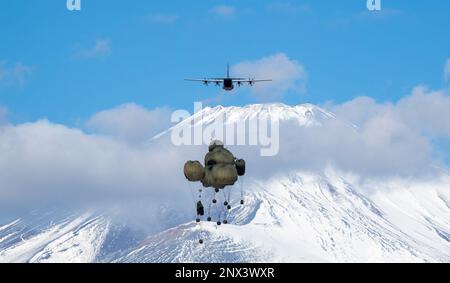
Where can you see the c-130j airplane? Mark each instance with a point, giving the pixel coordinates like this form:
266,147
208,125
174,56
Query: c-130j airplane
228,83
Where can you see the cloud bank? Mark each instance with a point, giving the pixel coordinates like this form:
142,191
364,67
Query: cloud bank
391,140
45,164
130,122
287,75
425,112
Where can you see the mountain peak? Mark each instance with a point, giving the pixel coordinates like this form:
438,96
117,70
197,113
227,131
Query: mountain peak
304,115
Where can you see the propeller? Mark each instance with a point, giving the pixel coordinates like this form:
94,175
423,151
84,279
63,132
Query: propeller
217,83
251,82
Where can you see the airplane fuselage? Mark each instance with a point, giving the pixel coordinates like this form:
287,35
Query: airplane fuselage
228,84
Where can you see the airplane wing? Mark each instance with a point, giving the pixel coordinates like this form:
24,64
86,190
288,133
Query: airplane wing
205,80
250,81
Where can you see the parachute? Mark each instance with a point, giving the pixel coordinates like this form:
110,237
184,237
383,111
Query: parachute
221,168
219,155
194,171
220,171
220,175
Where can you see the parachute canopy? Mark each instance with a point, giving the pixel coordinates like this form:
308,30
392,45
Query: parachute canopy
221,168
220,175
194,171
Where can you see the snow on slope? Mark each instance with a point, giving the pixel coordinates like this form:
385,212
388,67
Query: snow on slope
80,245
73,238
306,218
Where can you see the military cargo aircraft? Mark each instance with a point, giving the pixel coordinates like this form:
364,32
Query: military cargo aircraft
228,83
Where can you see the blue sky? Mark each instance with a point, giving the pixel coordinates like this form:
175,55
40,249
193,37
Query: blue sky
66,66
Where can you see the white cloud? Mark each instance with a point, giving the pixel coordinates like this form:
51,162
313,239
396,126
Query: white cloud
380,148
224,11
162,18
393,138
424,112
13,74
100,49
130,122
44,163
287,75
447,70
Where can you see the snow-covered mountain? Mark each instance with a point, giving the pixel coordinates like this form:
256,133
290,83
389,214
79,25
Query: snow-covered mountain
45,237
305,115
305,217
292,216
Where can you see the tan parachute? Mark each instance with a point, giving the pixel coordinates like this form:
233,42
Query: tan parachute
194,171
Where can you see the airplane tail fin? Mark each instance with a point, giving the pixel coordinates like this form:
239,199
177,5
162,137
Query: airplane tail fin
228,70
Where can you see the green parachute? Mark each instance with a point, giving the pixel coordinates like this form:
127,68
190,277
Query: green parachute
220,171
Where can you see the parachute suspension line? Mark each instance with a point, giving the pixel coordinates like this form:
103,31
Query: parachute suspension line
228,208
229,195
219,217
218,206
242,189
199,216
224,211
209,212
209,201
224,197
200,233
227,204
191,190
